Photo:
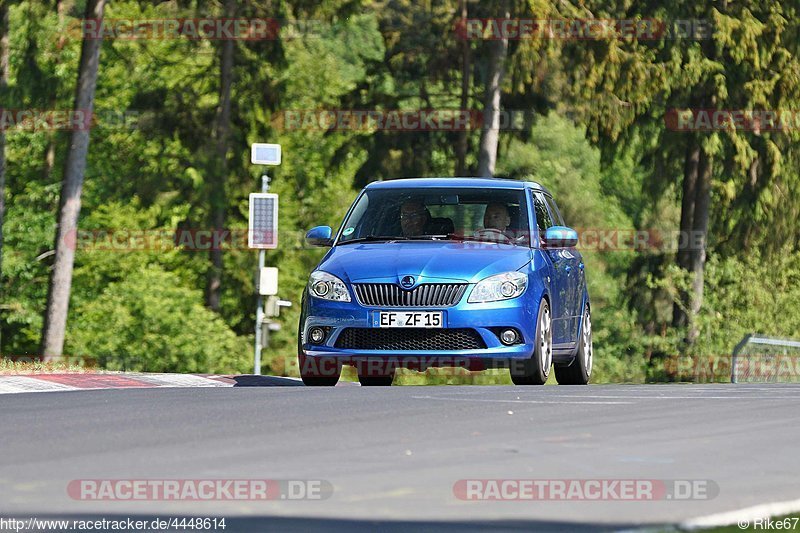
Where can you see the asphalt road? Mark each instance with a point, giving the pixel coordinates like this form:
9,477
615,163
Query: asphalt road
394,455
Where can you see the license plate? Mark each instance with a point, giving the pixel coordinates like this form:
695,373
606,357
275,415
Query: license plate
409,319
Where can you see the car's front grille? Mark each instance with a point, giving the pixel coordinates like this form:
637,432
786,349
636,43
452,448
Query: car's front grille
404,339
425,295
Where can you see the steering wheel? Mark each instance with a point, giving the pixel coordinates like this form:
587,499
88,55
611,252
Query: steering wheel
492,235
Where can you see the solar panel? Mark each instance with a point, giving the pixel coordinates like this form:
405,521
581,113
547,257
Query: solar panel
263,228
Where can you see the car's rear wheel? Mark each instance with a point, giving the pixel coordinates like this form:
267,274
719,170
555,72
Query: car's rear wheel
579,372
536,370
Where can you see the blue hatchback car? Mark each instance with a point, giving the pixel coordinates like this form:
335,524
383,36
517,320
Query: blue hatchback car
460,272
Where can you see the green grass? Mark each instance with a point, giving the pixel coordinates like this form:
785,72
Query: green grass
9,367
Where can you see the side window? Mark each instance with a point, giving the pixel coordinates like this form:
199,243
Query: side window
543,220
556,214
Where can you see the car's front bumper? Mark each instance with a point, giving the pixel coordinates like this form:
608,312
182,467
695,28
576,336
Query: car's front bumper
485,319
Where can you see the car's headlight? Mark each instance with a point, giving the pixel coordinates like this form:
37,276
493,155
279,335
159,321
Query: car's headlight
499,287
328,287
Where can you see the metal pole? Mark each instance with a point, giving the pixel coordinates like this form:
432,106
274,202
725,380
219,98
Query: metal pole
259,302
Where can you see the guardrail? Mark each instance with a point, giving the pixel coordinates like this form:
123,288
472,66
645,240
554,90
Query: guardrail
775,342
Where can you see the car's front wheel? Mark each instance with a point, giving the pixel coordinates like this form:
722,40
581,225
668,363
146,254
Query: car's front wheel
580,370
374,373
375,381
319,372
536,370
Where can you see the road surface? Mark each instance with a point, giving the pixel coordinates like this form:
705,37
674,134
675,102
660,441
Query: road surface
395,455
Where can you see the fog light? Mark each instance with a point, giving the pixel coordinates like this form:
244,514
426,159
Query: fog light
316,335
508,336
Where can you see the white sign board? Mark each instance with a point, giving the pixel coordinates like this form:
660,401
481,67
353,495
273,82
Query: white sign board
268,281
265,154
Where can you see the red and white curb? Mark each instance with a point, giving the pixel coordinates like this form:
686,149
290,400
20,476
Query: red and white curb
92,381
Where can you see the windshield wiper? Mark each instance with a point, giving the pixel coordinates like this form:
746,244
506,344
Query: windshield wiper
466,238
374,238
428,237
448,237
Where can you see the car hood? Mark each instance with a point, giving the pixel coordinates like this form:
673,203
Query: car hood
390,261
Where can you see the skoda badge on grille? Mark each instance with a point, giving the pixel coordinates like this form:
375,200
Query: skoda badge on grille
407,282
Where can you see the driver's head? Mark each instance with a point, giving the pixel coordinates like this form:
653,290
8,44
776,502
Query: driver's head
496,217
413,217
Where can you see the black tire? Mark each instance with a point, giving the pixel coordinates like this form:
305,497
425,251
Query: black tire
374,372
375,381
316,373
536,370
316,381
579,372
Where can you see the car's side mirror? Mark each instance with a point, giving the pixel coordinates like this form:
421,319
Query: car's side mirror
560,237
320,236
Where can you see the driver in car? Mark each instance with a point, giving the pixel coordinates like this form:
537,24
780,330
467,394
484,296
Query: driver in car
415,218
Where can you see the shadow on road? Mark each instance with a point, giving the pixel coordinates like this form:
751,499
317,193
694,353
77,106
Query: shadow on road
264,381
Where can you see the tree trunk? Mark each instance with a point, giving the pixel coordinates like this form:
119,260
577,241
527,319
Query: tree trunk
700,230
679,316
55,319
751,190
463,136
4,66
63,7
487,157
217,197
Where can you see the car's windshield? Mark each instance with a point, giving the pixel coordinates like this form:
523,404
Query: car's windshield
487,215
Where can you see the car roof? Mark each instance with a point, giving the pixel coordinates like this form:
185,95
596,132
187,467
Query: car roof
486,183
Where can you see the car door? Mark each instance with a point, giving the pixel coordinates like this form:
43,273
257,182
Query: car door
572,262
559,283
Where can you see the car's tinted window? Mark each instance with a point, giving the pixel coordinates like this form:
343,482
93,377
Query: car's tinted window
554,212
543,220
456,213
